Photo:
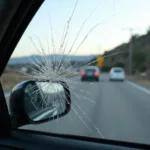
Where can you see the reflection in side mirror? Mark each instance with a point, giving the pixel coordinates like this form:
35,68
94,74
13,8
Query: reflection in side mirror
44,100
37,102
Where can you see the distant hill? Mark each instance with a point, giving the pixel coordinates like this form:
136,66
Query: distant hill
24,60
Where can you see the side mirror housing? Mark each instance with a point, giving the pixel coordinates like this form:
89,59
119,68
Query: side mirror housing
38,102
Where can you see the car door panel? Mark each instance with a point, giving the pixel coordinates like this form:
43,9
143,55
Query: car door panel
23,139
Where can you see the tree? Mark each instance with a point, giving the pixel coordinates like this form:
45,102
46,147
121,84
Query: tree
119,64
142,68
139,58
134,37
148,30
147,64
106,68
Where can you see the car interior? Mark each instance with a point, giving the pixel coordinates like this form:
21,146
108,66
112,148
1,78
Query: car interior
15,16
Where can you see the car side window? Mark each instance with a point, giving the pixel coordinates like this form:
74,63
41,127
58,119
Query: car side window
63,40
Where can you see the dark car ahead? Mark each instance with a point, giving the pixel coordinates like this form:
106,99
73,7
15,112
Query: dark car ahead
90,73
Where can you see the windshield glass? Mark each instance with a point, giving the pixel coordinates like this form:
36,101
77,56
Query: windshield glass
90,70
65,37
118,70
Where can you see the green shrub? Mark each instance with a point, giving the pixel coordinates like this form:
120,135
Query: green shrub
142,68
106,68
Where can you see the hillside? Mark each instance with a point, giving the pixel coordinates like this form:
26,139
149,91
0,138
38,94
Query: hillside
140,58
25,59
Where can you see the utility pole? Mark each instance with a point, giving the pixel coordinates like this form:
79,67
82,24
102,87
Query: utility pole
130,51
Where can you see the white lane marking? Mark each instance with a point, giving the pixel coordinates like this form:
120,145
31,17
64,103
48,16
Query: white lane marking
138,87
43,115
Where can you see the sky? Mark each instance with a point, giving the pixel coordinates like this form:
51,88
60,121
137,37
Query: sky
114,18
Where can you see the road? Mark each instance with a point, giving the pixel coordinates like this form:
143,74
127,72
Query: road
111,110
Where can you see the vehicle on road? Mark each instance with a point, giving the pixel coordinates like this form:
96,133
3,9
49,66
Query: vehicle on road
117,74
90,73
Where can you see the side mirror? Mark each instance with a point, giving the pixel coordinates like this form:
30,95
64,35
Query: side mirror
38,101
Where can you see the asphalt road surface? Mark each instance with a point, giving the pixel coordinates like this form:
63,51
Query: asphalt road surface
111,110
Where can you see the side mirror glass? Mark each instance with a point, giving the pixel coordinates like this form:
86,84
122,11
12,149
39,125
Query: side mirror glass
40,101
44,100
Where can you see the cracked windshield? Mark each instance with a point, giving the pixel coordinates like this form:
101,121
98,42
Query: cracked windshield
88,67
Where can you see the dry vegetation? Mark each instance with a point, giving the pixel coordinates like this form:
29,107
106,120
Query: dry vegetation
140,80
10,78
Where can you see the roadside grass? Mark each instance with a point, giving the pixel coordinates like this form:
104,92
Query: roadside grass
10,78
140,80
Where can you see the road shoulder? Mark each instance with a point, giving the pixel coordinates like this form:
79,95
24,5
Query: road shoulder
139,82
